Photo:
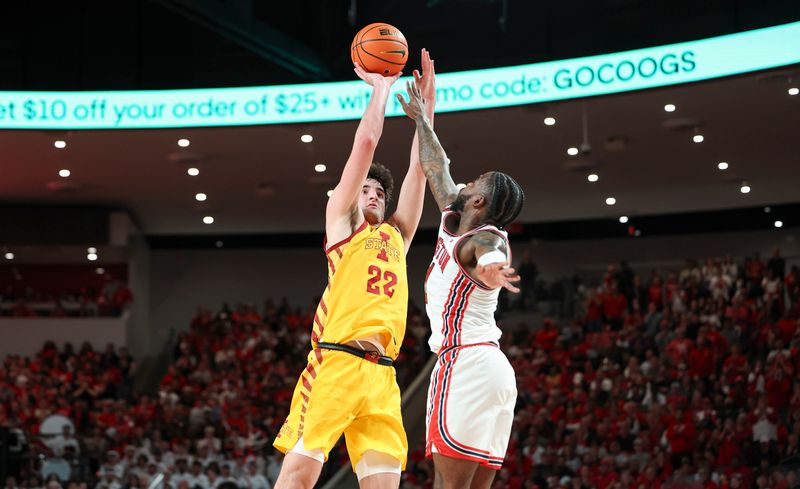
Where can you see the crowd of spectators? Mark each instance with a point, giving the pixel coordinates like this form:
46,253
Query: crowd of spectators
107,301
210,422
683,379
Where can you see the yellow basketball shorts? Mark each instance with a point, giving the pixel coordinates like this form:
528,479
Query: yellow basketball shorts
341,393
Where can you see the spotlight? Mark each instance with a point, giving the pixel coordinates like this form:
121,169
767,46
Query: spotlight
208,220
794,91
91,249
722,165
623,219
593,177
9,256
549,121
64,173
200,197
745,188
91,256
572,151
611,201
698,138
320,168
60,144
669,108
100,270
306,138
184,143
778,224
193,172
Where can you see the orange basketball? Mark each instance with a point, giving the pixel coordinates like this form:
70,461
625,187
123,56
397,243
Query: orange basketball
380,48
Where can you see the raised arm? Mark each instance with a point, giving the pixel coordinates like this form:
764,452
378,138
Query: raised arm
412,193
342,215
432,157
485,257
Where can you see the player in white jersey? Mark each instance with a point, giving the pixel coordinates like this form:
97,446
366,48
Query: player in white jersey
473,391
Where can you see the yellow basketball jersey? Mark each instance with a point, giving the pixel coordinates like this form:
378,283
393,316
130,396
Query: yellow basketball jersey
367,292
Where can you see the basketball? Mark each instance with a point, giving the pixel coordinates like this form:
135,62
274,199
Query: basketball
380,48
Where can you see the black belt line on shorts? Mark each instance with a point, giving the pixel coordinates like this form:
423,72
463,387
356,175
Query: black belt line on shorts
370,356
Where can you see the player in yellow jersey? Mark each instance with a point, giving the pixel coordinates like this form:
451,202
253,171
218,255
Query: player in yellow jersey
349,385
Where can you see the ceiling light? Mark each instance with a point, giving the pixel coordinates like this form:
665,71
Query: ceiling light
669,108
193,172
549,121
461,185
611,201
745,188
200,197
592,177
767,209
329,193
637,233
64,173
320,168
306,138
183,143
778,224
794,91
623,219
91,249
208,220
91,256
9,256
572,151
60,144
219,244
100,271
722,165
698,138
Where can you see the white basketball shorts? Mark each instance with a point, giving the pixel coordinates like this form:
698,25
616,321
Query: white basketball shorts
471,400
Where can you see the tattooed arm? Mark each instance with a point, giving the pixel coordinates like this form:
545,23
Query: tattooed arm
497,273
432,157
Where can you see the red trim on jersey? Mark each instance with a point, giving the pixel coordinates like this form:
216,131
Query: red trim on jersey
347,239
444,310
318,353
323,306
459,328
311,371
463,293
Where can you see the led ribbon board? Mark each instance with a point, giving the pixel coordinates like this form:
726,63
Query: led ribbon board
468,90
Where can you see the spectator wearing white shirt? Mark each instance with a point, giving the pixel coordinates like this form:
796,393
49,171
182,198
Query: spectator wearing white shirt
252,479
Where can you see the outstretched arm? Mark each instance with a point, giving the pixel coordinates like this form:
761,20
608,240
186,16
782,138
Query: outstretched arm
342,215
432,157
485,256
412,192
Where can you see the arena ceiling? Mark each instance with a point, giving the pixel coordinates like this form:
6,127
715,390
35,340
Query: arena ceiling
261,179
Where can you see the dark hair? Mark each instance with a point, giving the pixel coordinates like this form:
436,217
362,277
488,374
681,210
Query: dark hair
384,177
506,199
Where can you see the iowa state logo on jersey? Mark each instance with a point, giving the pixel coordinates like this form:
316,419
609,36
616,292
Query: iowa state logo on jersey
386,249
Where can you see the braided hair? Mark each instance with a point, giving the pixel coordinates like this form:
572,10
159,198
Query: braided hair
506,199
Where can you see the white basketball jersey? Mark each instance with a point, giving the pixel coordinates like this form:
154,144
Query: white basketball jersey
460,309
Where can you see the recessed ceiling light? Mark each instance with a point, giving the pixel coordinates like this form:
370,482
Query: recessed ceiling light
611,201
100,271
91,249
767,209
698,138
669,108
461,185
592,177
722,165
572,151
794,91
193,172
183,143
9,256
200,196
60,144
329,193
778,224
745,188
208,220
219,244
637,233
306,138
91,256
549,121
623,219
319,168
64,173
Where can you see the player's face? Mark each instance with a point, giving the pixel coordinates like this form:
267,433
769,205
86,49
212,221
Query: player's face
477,186
372,201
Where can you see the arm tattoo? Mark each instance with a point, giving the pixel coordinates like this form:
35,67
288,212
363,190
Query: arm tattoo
435,165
